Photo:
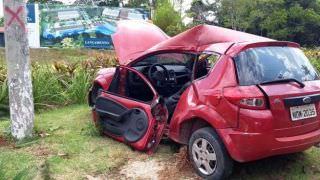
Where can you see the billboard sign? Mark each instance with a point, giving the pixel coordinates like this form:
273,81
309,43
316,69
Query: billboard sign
84,26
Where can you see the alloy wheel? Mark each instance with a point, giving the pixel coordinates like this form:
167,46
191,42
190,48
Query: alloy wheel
204,156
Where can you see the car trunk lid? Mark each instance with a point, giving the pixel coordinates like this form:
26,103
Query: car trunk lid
286,97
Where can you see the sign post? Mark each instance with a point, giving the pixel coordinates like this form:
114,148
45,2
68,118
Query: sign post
19,74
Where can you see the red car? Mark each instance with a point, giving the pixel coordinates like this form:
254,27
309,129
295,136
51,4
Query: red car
228,95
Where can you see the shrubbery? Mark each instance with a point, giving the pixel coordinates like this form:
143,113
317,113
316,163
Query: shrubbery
314,56
60,83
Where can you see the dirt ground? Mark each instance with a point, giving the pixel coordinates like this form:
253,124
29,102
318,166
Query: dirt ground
156,167
3,142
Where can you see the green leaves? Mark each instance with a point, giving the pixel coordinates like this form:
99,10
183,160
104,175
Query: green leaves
293,20
167,18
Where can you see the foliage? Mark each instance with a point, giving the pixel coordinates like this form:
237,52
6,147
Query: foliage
1,21
200,10
60,83
314,56
112,3
138,3
293,20
71,43
167,18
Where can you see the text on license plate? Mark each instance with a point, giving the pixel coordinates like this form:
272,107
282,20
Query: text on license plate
303,112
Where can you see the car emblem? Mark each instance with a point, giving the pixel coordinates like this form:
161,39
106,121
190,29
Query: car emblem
306,100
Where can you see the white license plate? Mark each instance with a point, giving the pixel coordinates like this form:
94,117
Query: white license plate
303,112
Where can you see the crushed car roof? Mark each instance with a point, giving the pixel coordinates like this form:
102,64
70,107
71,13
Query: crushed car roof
135,39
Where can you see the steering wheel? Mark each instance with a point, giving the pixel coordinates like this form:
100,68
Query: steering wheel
158,78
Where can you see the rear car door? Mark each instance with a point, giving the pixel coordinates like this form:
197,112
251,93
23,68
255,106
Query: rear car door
131,111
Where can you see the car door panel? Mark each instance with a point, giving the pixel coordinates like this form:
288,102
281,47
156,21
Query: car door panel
118,120
131,121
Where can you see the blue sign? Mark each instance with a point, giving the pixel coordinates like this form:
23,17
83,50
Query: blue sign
31,16
98,43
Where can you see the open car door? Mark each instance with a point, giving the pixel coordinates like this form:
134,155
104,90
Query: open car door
131,111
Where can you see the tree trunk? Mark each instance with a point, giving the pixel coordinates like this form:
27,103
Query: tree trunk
19,75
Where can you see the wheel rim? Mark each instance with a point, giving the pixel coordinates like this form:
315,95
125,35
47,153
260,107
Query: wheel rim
204,156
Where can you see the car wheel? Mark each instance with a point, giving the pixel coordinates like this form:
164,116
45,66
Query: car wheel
208,155
96,90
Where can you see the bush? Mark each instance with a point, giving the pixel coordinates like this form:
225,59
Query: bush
61,83
314,56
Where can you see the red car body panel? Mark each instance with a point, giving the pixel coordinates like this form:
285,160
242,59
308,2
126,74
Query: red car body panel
204,100
104,77
133,38
248,134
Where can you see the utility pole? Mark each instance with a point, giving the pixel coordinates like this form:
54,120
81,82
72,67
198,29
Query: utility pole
18,65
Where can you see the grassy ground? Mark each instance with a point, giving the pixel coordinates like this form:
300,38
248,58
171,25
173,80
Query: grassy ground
68,149
49,55
67,146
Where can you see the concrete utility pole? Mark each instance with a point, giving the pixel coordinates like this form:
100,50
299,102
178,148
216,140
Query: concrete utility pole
19,74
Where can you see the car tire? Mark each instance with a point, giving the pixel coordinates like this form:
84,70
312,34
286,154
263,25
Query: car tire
212,161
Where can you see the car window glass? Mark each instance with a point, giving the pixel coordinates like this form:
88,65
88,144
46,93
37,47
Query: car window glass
258,65
129,84
204,64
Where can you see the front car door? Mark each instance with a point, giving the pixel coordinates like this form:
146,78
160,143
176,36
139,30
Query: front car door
131,111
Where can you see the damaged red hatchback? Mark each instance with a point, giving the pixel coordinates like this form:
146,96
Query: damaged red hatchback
228,95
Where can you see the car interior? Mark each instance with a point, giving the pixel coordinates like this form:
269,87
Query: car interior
170,74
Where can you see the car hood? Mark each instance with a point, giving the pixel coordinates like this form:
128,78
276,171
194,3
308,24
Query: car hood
135,39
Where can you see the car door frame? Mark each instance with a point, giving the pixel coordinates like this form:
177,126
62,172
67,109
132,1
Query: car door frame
156,112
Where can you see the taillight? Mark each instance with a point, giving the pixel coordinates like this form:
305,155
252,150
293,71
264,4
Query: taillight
252,102
248,97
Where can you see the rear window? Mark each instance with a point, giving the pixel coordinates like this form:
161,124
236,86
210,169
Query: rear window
258,65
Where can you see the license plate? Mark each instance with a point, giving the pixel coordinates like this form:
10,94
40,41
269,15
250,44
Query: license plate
303,112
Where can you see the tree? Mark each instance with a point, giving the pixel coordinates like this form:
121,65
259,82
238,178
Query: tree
167,18
19,73
201,11
293,20
138,3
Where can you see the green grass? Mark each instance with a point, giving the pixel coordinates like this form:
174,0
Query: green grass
71,149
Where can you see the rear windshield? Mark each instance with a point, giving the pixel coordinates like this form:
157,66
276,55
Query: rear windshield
258,65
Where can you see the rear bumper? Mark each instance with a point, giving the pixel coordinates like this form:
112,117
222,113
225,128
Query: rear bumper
244,146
